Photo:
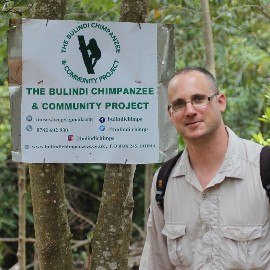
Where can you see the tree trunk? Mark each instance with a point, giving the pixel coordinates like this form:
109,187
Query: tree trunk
114,225
22,209
133,11
47,187
113,229
49,9
36,264
50,217
208,37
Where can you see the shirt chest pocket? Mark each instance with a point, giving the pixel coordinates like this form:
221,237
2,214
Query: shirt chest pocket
178,244
241,247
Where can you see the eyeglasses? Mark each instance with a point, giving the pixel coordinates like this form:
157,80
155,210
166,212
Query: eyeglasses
198,101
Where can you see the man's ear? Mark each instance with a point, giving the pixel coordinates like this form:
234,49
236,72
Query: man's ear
222,101
169,113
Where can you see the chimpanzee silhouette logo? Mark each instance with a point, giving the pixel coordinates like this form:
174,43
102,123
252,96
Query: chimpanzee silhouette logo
91,59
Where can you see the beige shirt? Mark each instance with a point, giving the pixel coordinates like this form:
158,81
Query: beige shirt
224,226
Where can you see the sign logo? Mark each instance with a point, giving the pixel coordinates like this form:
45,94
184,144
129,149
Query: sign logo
90,53
95,53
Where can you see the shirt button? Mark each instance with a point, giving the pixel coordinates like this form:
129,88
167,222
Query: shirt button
208,260
204,196
206,228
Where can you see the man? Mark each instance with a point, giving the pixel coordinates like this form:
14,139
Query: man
216,212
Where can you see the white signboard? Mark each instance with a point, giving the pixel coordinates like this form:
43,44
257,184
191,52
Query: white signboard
89,92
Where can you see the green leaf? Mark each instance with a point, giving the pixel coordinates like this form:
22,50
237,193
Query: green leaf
264,120
19,3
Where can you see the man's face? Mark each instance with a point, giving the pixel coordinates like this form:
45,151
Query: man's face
195,123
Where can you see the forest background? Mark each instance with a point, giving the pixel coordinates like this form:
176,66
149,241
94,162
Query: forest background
241,33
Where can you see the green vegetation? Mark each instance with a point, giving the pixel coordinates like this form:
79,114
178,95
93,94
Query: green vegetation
263,137
241,32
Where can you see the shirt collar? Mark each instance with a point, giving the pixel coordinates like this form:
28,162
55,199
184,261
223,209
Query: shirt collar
231,165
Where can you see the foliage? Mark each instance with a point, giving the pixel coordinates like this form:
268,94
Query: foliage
4,123
241,47
3,48
83,190
9,210
106,10
9,202
265,121
241,30
138,195
15,7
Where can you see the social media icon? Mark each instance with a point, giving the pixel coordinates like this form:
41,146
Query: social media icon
70,138
102,119
102,128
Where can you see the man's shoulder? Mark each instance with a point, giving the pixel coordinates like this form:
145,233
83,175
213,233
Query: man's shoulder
247,149
252,150
251,144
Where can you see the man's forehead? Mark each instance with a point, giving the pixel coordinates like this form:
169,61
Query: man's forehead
189,76
189,82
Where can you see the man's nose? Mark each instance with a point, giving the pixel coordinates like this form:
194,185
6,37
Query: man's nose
190,108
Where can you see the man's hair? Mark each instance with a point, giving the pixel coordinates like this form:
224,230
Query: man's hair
202,70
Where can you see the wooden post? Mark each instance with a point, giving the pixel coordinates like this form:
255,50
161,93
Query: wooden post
21,220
